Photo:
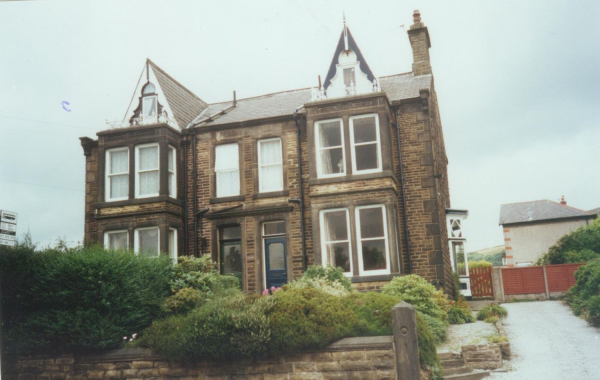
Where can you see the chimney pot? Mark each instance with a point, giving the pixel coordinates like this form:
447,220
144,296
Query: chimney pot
416,16
562,201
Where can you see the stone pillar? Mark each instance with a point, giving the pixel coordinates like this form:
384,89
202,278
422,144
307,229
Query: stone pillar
497,284
420,43
406,346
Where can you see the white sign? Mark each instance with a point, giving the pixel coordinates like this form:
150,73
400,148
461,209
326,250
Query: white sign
8,228
7,237
8,217
10,243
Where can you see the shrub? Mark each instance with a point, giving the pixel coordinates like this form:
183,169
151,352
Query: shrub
581,245
584,295
331,274
374,313
496,339
593,311
459,316
183,301
438,328
493,319
200,273
480,264
333,288
492,310
307,318
455,286
421,294
234,326
428,356
81,299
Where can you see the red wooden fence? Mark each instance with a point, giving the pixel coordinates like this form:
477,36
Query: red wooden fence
481,282
530,280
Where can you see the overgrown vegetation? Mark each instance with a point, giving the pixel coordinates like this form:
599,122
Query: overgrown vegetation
421,294
579,246
584,296
492,310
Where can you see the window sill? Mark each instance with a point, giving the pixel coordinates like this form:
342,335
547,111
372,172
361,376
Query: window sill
353,177
374,278
137,201
234,198
271,194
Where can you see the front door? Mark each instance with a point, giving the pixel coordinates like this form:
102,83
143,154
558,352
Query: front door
275,262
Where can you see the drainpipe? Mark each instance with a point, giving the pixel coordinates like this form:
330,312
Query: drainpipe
194,170
185,195
406,231
301,190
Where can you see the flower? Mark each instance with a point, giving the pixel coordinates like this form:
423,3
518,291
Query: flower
124,338
265,292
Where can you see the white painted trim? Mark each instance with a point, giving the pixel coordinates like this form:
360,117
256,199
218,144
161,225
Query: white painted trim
260,166
136,241
107,175
107,233
172,151
354,145
218,192
137,171
359,240
319,148
175,254
144,97
324,259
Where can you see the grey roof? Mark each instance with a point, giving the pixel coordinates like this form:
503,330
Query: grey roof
595,211
534,211
183,103
397,87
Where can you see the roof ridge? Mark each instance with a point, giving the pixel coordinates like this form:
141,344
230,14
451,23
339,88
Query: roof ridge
517,203
397,75
154,65
262,96
577,209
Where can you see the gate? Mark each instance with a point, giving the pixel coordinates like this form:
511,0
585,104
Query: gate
481,282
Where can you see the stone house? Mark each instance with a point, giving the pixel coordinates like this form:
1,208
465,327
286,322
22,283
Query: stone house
352,173
531,228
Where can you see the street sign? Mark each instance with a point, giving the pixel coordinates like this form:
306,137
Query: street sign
8,228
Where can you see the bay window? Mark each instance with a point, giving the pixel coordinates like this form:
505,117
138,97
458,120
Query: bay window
366,148
173,244
371,230
330,148
335,237
227,170
117,174
147,241
172,171
116,240
147,170
270,165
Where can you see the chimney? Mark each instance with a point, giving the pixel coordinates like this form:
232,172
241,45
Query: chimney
562,201
420,43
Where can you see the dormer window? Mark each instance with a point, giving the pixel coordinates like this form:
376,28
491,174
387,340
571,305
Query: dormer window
149,100
349,77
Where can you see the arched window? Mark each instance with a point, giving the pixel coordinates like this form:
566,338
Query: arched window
149,101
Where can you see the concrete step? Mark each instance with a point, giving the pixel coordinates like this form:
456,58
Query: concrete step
468,376
449,355
456,370
452,363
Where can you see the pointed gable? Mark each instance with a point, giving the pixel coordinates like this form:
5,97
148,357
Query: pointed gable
347,38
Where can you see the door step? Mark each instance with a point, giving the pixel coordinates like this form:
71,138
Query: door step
456,370
468,376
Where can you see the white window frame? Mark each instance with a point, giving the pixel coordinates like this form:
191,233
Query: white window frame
359,241
354,145
324,257
137,170
155,98
217,194
174,255
108,174
172,151
106,238
260,165
319,148
136,237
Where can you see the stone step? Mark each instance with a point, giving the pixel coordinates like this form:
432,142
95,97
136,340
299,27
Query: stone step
451,363
449,355
456,370
468,376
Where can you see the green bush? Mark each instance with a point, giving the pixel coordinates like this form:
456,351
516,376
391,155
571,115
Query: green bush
459,316
331,274
374,313
455,286
492,310
229,327
307,318
584,295
201,274
421,294
581,245
184,300
81,299
323,284
428,356
492,319
438,328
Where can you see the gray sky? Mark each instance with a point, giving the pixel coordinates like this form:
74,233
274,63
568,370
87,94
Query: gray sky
518,85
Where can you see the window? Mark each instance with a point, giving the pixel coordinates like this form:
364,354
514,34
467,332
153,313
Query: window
335,236
116,240
330,148
172,169
147,241
173,244
149,100
349,77
270,168
227,170
366,148
117,174
458,251
274,228
231,251
147,173
371,230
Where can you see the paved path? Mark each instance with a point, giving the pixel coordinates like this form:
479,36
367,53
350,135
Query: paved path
550,343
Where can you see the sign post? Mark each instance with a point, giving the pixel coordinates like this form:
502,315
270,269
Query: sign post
8,228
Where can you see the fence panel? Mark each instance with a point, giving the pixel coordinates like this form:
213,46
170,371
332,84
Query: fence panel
561,277
529,280
481,282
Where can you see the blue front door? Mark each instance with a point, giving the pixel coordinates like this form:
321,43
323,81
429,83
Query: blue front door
275,262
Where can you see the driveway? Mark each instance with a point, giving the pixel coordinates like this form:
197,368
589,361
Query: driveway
548,342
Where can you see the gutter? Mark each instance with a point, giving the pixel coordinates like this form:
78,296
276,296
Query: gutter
301,189
194,178
406,230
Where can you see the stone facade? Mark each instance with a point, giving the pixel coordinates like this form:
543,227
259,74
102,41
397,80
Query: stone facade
411,185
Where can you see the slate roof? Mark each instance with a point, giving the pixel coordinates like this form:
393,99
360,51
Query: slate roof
534,211
397,87
183,103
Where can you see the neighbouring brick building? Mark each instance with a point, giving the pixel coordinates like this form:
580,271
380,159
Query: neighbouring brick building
531,228
352,173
